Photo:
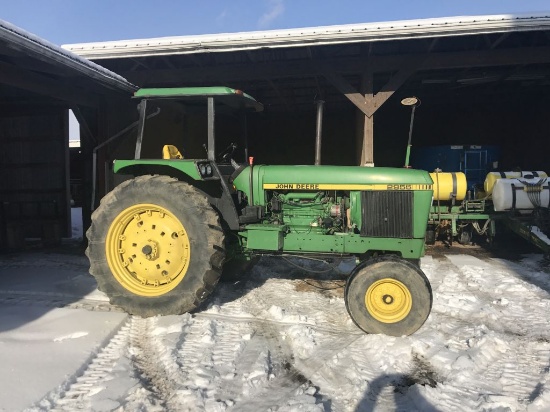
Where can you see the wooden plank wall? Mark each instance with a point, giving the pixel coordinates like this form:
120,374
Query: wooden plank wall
34,183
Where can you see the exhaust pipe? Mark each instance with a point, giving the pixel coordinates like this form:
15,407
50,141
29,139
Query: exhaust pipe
319,131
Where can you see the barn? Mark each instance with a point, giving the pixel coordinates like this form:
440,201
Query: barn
483,82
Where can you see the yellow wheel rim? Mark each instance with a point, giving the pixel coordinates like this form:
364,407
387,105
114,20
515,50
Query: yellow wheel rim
148,250
388,300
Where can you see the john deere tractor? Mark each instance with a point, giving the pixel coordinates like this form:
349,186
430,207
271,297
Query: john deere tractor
159,241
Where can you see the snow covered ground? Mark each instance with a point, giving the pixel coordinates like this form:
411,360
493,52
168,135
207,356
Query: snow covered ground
276,340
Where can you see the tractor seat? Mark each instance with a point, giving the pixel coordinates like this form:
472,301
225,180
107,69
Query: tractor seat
171,152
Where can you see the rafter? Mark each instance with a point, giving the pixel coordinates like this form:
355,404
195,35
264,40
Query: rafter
501,38
15,77
278,92
369,105
308,67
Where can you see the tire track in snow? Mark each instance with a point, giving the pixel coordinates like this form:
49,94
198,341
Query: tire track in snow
273,379
516,369
497,306
159,379
281,323
54,300
75,394
462,297
235,357
289,378
486,337
261,363
498,345
41,260
212,356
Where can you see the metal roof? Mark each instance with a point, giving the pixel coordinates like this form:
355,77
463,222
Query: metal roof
44,50
312,36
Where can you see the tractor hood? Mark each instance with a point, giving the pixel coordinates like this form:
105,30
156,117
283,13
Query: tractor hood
315,178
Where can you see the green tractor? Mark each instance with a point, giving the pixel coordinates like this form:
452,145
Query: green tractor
158,242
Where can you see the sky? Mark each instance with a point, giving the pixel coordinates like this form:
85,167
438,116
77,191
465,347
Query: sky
79,21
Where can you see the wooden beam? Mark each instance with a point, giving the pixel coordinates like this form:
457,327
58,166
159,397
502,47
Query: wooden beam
345,65
194,59
369,105
367,154
320,91
38,66
168,62
26,80
502,37
432,45
369,102
409,67
367,149
83,124
278,92
349,91
250,56
486,40
139,63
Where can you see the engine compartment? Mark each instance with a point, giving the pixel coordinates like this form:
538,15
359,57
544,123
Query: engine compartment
320,212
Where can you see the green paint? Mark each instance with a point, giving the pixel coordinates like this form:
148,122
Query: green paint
265,238
407,156
143,166
231,97
298,227
344,175
305,206
302,210
524,230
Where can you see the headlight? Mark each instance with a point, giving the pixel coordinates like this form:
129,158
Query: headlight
205,170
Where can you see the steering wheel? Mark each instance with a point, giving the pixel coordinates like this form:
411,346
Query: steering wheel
226,155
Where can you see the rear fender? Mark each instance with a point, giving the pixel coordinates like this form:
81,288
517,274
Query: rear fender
135,167
187,171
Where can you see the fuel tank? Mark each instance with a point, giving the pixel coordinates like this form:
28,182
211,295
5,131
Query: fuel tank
449,185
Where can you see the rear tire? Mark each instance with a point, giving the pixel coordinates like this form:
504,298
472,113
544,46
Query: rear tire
430,235
235,268
155,246
465,238
388,295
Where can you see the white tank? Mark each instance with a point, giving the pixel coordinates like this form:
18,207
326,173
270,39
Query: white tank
520,194
492,177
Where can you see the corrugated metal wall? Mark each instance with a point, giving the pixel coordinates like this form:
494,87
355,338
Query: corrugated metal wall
34,182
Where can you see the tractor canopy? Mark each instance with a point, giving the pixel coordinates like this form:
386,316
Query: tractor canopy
233,98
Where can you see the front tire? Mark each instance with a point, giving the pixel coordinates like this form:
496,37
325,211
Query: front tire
155,246
388,295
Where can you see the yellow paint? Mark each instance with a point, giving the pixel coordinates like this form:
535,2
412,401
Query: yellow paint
148,250
388,300
171,152
344,186
444,182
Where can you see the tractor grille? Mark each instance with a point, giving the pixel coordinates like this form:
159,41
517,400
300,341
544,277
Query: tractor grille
387,214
